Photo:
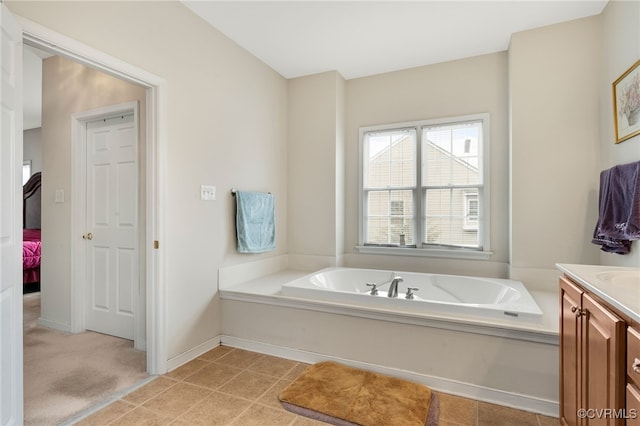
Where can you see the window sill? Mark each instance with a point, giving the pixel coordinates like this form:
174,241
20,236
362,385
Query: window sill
424,252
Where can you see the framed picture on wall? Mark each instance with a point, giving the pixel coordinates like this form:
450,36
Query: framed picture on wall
626,104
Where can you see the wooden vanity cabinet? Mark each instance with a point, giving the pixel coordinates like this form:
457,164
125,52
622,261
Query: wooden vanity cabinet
633,376
592,359
570,298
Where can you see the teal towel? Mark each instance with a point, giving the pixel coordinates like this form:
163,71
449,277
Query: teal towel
255,222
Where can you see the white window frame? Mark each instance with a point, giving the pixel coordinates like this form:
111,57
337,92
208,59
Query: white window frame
484,225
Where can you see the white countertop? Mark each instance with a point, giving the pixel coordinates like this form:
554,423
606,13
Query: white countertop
619,286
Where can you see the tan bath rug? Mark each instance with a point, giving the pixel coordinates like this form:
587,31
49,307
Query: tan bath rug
345,396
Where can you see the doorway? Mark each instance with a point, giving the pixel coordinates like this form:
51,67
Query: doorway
155,88
154,182
111,255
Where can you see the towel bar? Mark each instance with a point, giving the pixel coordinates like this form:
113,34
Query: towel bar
233,192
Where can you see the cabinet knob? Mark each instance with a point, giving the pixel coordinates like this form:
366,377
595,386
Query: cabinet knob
636,365
578,311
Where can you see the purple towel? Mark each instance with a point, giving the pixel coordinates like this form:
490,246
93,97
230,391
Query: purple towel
619,207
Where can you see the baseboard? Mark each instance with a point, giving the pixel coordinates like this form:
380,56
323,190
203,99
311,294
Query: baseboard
55,325
521,402
183,358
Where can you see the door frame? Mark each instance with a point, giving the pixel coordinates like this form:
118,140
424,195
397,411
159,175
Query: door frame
156,144
79,122
11,286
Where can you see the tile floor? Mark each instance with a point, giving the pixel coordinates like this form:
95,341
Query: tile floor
228,386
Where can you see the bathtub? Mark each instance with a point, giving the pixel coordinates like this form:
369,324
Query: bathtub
449,295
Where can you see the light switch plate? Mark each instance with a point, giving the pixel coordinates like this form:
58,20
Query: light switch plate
207,192
59,196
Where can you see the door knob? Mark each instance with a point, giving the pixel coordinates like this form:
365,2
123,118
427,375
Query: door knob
88,236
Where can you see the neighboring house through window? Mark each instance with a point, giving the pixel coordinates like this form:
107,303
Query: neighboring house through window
423,185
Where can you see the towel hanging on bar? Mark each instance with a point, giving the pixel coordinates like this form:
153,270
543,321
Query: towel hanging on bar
255,221
619,208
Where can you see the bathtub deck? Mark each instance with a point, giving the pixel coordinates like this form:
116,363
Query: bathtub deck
435,349
267,290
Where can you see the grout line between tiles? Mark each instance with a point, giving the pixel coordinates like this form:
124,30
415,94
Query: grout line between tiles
258,402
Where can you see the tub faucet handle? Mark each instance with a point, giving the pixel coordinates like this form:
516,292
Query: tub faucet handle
410,291
374,290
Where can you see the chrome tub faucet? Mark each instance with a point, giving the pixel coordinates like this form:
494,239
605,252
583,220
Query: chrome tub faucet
393,288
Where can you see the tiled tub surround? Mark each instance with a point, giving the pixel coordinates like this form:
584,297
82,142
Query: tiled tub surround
227,386
512,364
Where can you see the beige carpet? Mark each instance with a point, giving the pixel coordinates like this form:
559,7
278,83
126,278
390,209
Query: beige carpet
65,374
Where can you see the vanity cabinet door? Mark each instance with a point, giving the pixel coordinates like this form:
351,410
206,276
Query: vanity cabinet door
570,305
603,361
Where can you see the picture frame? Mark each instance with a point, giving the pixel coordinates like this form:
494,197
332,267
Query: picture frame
626,104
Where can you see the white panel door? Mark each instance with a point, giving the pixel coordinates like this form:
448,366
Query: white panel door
112,226
11,407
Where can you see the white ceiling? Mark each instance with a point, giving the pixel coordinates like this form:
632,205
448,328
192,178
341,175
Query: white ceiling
360,38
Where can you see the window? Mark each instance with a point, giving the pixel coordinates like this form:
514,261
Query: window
423,186
26,171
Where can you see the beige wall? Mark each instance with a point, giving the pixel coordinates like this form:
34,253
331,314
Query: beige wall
234,122
67,88
315,146
468,86
621,49
553,92
226,121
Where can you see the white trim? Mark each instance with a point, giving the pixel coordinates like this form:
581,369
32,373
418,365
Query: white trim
156,88
77,226
55,325
484,195
481,393
193,353
457,253
49,40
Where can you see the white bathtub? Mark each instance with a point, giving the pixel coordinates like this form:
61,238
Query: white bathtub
450,295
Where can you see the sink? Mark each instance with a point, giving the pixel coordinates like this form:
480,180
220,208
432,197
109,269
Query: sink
622,278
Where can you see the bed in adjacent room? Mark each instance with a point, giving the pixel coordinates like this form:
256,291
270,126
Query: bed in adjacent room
31,242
